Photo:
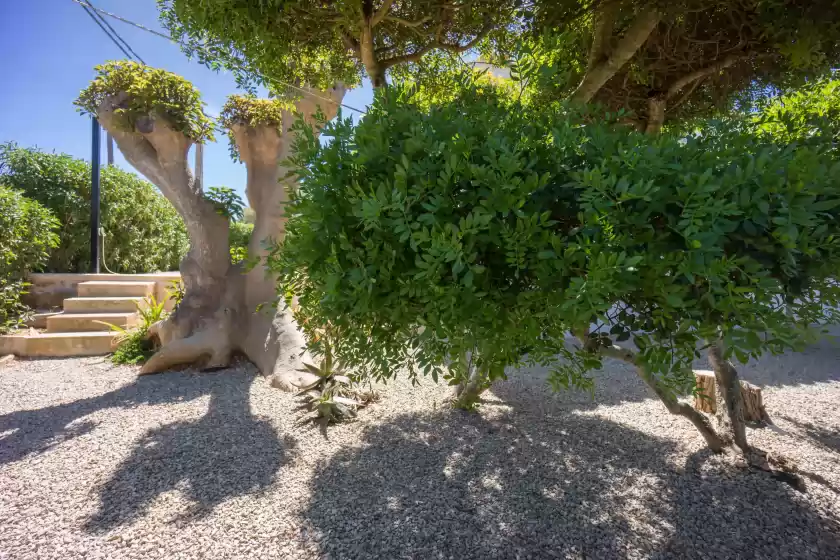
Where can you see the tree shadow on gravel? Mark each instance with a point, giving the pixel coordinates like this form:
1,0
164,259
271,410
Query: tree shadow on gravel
454,485
826,437
36,431
228,452
617,382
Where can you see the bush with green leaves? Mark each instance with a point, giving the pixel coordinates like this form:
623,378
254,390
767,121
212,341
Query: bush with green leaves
27,235
148,91
143,232
475,235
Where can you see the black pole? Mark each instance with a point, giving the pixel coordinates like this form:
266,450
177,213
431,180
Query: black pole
94,196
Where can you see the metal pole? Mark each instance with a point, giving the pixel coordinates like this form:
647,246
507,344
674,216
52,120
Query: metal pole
199,164
94,196
109,147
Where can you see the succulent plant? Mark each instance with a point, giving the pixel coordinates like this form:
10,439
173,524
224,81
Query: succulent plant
332,396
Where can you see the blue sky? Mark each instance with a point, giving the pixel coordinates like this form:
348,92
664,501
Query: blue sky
49,49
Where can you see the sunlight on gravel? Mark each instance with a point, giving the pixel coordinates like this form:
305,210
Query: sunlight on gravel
96,462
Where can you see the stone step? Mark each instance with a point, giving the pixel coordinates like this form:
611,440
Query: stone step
102,304
58,345
77,322
104,288
39,318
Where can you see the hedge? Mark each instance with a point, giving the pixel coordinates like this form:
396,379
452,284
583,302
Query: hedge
143,231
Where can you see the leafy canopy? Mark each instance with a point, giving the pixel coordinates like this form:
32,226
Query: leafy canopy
320,43
488,227
700,57
143,91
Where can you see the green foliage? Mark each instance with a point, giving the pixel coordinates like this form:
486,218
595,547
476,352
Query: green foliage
808,115
13,312
228,202
332,396
144,232
322,43
239,237
27,235
175,292
486,228
135,346
251,111
145,91
703,55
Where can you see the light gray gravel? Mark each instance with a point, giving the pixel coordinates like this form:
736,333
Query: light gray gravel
98,463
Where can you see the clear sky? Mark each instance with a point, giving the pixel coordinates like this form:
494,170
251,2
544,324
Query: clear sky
48,49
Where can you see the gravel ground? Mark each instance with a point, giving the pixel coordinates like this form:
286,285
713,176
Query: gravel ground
98,463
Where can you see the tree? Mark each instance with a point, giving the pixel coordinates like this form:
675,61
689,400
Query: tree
473,235
320,43
155,117
676,61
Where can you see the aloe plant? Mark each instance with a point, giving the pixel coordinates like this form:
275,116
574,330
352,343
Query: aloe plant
332,396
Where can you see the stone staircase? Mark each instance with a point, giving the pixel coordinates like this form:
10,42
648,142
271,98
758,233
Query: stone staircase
82,329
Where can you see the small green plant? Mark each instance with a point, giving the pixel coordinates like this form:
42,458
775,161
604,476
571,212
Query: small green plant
13,312
228,203
238,238
135,345
332,396
175,291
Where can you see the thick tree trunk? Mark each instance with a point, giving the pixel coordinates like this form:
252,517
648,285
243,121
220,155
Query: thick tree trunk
468,392
730,416
268,333
219,313
657,106
602,69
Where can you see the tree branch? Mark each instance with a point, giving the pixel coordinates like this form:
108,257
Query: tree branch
410,57
407,23
488,26
718,66
630,43
350,42
381,13
687,93
602,34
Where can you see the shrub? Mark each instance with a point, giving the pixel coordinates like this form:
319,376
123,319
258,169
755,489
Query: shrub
239,237
27,234
135,346
144,233
474,235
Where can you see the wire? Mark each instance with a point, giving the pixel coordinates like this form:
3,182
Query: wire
105,31
176,41
114,31
139,26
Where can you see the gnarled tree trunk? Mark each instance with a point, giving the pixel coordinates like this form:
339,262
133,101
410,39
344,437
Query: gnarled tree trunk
219,313
730,416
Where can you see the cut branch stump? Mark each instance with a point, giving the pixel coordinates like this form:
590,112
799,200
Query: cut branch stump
705,400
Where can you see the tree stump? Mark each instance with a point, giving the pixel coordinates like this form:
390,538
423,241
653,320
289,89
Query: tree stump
753,403
704,400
